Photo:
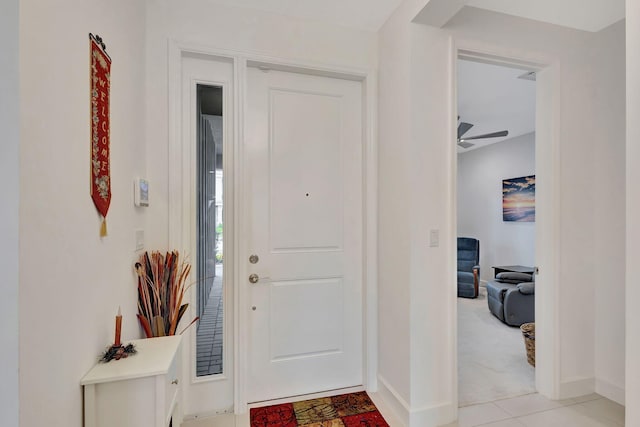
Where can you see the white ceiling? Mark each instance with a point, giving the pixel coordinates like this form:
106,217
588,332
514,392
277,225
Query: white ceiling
361,14
492,98
587,15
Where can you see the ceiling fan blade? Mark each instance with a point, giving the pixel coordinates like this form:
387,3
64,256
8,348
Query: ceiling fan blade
463,128
488,135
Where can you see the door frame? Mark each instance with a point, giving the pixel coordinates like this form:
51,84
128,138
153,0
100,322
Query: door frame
182,211
236,199
548,357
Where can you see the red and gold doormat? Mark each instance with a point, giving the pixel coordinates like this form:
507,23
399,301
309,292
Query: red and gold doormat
348,410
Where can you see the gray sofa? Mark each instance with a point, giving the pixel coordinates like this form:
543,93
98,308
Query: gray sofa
511,297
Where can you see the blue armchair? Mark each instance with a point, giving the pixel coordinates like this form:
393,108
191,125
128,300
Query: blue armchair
468,268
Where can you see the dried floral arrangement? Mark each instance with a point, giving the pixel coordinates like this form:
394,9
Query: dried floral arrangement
117,352
162,283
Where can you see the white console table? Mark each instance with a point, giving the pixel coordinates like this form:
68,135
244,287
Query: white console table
142,390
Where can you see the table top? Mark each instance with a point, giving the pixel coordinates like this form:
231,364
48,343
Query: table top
514,268
154,357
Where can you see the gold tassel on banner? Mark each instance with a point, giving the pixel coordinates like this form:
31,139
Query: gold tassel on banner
103,227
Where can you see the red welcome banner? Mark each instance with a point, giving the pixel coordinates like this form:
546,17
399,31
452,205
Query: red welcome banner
100,134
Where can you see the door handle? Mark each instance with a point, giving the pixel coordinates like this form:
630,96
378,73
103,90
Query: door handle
254,278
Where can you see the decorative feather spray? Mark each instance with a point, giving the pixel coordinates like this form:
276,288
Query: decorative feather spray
162,283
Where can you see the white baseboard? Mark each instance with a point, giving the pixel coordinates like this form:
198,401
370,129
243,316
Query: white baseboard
434,415
577,386
610,391
394,402
426,416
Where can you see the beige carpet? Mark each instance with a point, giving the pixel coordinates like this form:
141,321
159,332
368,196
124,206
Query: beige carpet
492,361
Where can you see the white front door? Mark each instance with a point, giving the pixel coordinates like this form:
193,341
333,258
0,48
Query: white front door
303,157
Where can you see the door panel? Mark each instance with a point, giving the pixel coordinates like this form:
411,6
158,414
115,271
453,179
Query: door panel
309,149
308,336
303,148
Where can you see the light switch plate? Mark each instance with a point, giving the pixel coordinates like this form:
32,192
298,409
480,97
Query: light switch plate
139,240
434,238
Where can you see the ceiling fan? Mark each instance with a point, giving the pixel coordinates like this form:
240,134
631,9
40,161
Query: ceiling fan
464,127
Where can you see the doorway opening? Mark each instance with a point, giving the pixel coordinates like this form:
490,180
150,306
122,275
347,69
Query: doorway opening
496,228
210,253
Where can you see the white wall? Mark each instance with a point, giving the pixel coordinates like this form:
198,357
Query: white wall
609,211
480,175
71,281
237,31
9,222
431,159
571,97
633,212
415,105
394,321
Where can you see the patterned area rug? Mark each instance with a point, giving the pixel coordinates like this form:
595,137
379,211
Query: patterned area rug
347,410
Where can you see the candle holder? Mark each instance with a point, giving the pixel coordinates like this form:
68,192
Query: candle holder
118,352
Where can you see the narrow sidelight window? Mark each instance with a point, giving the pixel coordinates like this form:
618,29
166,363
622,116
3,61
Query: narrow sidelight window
210,231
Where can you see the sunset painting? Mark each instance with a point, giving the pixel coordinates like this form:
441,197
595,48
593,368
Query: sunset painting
519,199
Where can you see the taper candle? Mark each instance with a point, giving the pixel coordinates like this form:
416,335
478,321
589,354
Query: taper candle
118,327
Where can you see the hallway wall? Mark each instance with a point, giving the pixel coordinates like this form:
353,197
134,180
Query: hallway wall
9,220
71,280
609,211
394,286
417,351
633,213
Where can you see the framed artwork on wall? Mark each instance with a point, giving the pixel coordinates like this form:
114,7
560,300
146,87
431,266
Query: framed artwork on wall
519,199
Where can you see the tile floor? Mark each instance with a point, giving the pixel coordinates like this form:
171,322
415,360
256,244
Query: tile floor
534,410
531,410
